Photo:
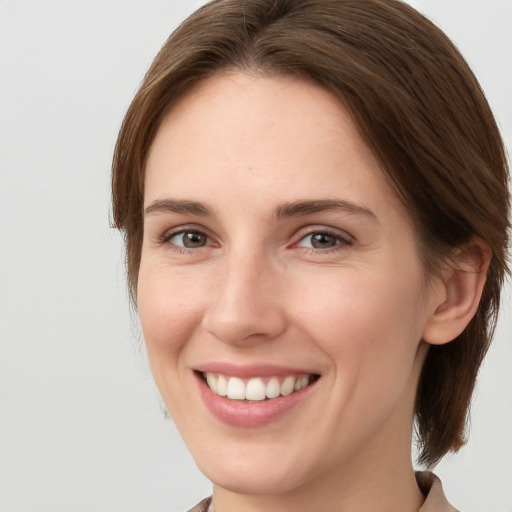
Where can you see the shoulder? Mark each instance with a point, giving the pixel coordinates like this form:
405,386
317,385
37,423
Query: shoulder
203,506
432,488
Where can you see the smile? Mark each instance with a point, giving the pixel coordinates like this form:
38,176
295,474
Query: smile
256,388
253,396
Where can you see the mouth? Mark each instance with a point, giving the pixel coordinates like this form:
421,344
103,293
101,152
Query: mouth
256,389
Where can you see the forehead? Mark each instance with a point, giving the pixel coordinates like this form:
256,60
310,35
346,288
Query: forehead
246,136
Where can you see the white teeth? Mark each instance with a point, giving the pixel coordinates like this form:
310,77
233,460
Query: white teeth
273,388
236,389
222,386
301,383
254,389
287,386
211,379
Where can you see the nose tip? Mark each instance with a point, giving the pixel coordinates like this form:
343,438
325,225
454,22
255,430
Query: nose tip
234,329
245,310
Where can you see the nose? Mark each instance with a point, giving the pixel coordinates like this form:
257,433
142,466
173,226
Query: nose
246,307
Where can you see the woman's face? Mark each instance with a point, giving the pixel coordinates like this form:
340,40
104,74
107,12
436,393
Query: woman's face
275,257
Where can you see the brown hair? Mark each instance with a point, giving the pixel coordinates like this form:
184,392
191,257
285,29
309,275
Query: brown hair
419,108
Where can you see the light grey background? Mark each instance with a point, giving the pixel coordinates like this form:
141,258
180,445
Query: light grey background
81,427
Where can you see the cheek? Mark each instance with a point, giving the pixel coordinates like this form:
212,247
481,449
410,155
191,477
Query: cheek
169,310
362,315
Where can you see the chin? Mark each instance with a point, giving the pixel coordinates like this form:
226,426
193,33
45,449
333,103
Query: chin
250,480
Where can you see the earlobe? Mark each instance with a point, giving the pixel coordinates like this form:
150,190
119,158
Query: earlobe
458,293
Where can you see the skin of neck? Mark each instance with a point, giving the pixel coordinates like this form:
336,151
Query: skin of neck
379,478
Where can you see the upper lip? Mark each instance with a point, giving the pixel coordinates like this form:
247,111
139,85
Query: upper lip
253,370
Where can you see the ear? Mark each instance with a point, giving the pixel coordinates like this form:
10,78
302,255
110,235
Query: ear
457,293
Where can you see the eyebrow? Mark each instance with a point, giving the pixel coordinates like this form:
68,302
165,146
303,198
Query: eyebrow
299,208
177,206
293,209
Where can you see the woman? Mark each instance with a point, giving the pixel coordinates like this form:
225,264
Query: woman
314,199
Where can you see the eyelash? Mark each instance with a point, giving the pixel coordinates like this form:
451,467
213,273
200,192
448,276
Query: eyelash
343,240
169,235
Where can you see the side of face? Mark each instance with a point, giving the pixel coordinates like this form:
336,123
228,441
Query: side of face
273,247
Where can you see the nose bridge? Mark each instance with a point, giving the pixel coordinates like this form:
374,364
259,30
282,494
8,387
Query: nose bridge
245,303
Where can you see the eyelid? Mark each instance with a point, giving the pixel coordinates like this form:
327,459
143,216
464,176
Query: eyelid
193,228
302,233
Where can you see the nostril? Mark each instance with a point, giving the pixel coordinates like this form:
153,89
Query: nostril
242,328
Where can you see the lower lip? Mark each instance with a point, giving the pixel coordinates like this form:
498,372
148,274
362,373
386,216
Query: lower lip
240,413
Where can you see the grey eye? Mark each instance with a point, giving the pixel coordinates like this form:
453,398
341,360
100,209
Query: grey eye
323,241
320,240
190,239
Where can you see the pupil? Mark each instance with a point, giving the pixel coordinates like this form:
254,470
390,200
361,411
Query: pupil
194,240
322,240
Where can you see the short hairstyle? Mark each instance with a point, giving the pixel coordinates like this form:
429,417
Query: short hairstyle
416,104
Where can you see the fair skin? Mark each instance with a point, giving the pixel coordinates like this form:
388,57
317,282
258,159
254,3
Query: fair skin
274,248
